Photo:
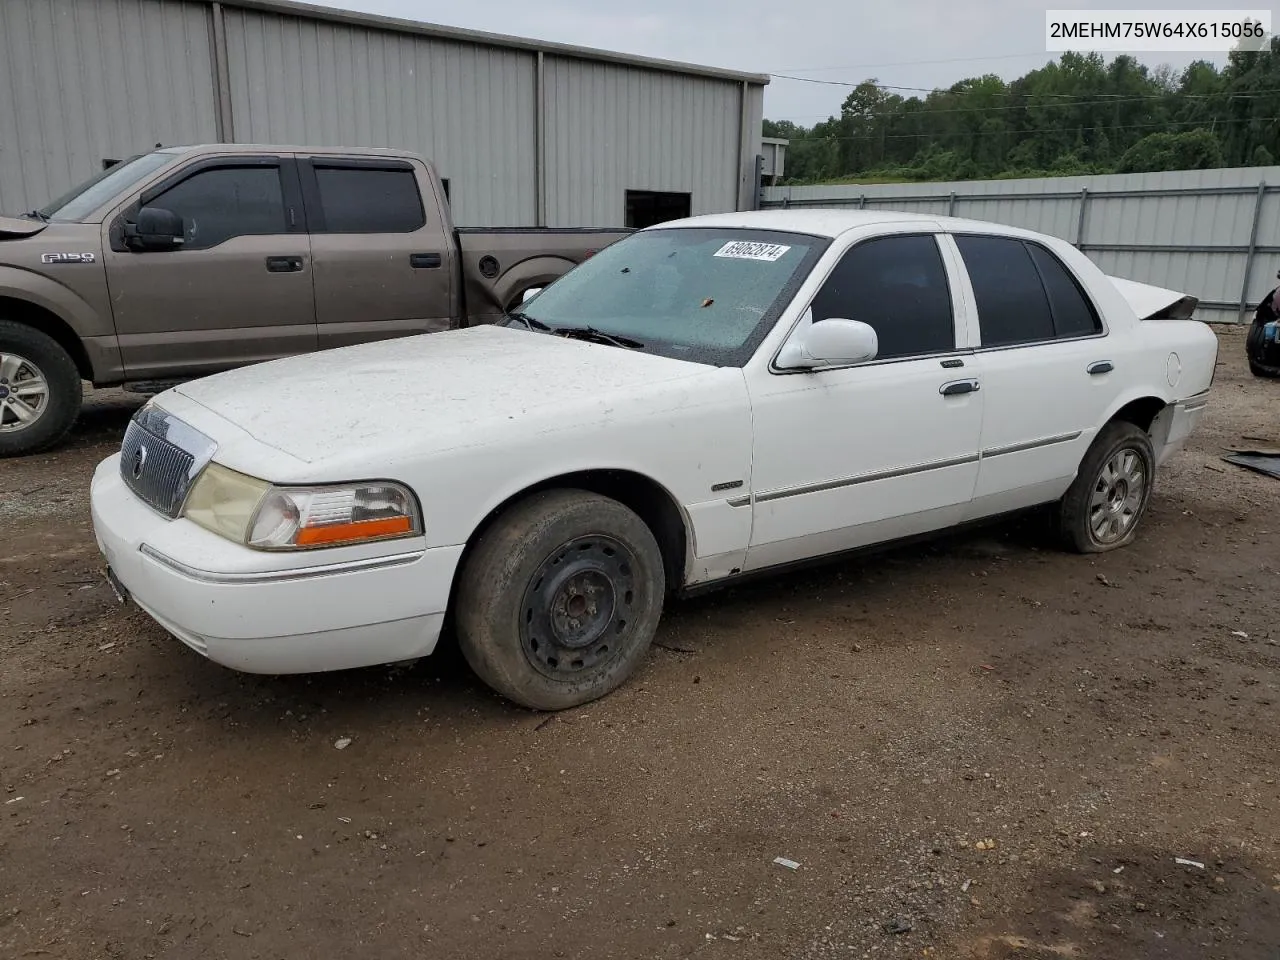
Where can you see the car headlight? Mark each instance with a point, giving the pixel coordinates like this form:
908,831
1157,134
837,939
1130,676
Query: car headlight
266,517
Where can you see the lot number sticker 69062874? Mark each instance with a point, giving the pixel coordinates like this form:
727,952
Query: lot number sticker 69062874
749,250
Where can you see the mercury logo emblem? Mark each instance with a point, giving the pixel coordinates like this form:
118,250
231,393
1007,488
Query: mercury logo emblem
139,459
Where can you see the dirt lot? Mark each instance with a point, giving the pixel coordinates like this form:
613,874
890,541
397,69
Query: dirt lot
982,748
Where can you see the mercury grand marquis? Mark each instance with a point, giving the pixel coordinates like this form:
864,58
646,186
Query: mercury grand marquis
700,402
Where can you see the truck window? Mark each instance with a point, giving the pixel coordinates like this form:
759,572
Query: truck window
224,202
367,200
108,183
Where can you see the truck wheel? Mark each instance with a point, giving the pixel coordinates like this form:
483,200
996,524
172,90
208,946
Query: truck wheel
40,390
1258,370
1106,501
560,598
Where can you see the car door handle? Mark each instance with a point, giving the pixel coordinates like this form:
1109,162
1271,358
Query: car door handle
1102,366
284,264
424,261
956,387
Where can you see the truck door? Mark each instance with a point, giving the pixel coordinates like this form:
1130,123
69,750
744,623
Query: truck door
236,290
384,259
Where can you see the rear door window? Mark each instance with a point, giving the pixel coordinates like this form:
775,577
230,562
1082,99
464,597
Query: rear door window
1011,301
367,200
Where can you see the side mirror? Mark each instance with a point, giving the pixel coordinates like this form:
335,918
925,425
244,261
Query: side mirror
530,294
831,341
155,229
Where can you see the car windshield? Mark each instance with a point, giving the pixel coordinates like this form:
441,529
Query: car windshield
705,294
96,191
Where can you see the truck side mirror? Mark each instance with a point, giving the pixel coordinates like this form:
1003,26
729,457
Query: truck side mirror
155,229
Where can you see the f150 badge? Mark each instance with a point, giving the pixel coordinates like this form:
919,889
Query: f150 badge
68,258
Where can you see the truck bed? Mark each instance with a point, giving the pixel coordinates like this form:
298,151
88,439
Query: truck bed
500,263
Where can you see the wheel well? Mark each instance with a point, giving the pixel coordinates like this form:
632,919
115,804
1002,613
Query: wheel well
46,321
1141,413
644,496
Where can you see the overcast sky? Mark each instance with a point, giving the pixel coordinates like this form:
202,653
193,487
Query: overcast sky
912,43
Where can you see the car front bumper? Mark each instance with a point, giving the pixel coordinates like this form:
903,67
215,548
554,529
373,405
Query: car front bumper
271,613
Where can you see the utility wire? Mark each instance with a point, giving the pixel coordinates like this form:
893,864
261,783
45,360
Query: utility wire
1104,97
913,63
927,110
1018,133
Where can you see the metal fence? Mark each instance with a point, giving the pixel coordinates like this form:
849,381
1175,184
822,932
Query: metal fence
1211,233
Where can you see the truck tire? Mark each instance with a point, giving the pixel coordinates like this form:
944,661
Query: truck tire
1253,345
559,599
1108,498
40,390
1258,370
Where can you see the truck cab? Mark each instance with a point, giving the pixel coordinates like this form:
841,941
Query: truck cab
186,261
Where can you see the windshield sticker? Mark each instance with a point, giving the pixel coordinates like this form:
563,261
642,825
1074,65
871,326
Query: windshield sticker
747,250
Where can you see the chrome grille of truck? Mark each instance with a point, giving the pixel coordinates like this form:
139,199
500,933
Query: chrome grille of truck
160,459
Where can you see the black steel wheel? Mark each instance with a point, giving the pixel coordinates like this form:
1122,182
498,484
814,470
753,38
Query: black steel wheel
581,598
560,598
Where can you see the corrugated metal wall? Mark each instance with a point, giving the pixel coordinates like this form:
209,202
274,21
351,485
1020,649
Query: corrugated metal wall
611,129
468,108
1189,230
86,80
82,82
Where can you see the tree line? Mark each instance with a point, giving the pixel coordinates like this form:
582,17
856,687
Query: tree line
1077,115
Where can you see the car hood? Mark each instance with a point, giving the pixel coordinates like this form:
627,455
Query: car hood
424,393
14,228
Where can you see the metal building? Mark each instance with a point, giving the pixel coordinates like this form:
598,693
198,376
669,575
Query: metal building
523,131
1211,233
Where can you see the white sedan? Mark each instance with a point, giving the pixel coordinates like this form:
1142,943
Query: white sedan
702,401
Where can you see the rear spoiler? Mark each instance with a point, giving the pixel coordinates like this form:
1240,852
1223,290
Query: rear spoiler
1155,303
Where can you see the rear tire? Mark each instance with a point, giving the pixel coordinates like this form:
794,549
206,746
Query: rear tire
1104,505
40,390
559,600
1253,348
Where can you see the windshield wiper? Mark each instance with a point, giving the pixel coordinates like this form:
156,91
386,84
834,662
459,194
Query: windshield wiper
528,321
36,215
598,336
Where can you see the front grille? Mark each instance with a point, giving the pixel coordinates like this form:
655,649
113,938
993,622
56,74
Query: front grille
160,458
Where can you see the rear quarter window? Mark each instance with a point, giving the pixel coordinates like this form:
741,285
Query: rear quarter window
1073,314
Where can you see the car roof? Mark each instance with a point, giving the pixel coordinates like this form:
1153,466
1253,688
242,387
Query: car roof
833,222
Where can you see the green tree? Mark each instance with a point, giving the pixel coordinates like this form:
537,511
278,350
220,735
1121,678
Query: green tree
1079,114
1193,150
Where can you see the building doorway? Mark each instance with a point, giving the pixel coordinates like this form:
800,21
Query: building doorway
647,207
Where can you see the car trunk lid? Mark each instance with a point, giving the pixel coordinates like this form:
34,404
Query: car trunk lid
1155,303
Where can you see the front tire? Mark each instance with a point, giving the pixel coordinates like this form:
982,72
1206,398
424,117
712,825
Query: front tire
559,600
40,390
1108,498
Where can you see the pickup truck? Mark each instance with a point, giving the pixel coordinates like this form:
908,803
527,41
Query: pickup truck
706,400
190,260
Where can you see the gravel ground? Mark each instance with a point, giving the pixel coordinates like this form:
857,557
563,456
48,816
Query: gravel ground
978,748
